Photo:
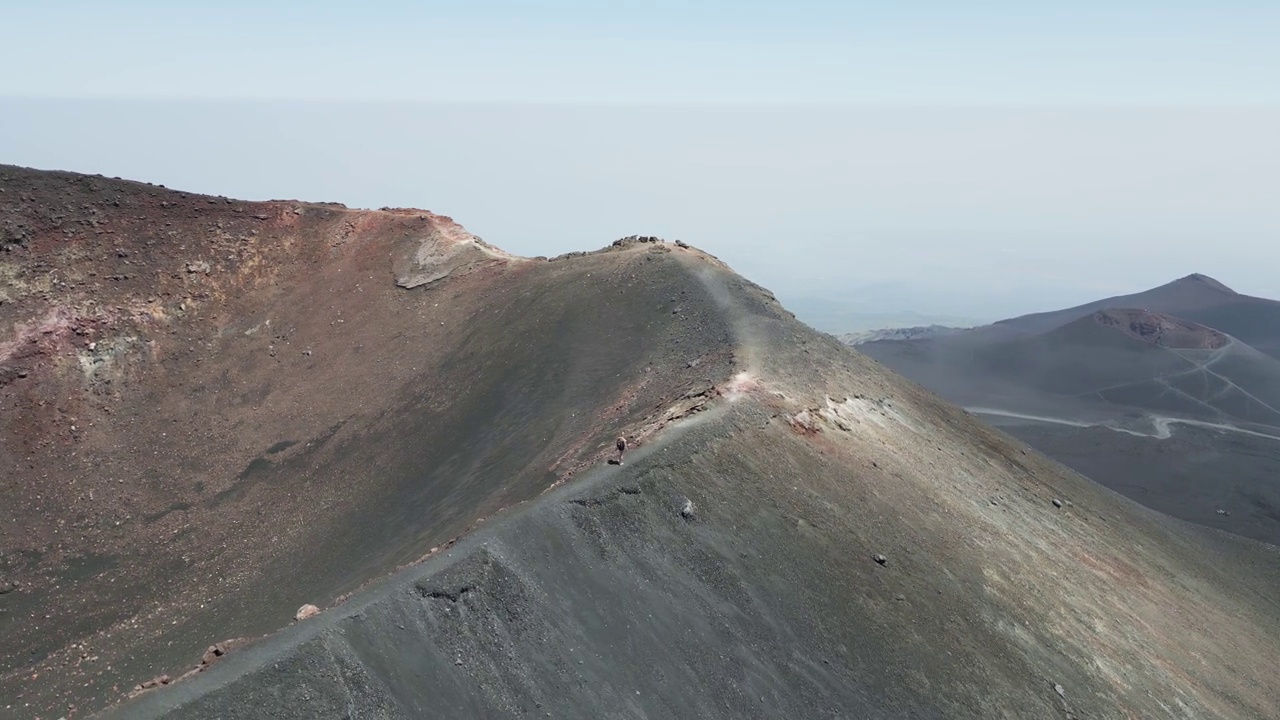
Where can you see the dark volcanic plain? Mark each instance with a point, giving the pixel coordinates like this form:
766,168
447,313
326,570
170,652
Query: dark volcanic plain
217,411
1157,395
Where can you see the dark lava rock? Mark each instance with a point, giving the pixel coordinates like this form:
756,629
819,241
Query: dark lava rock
155,682
215,651
880,559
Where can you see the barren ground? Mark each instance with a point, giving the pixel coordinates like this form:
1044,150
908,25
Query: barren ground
284,402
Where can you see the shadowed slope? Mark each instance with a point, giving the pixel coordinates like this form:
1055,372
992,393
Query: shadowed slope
1137,359
218,411
728,571
1178,413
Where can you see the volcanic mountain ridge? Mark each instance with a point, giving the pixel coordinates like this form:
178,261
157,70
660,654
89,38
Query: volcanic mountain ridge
217,411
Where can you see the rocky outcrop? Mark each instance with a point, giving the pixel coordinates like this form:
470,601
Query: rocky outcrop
890,334
1161,329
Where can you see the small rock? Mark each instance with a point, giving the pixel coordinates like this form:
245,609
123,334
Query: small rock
900,597
682,244
880,559
1057,503
687,510
216,651
306,611
155,682
1060,690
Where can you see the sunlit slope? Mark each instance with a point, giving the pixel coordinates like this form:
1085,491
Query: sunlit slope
217,411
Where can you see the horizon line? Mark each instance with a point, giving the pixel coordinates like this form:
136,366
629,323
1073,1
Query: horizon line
651,104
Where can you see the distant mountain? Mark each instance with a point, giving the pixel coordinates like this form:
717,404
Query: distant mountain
1137,359
1198,298
1171,395
910,333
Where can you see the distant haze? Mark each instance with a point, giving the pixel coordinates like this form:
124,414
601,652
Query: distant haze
950,213
863,160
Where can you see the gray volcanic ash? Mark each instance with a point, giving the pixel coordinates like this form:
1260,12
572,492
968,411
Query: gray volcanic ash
261,405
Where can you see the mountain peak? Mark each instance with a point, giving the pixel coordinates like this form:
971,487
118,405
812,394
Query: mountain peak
1204,280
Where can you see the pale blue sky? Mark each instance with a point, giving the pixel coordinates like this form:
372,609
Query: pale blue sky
869,158
654,51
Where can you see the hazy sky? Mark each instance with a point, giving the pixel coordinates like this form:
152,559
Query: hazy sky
961,159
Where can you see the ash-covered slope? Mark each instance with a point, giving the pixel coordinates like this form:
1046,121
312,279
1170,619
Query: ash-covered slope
216,411
795,530
1119,358
826,540
1174,411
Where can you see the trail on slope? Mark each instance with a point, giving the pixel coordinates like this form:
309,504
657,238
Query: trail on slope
1163,424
